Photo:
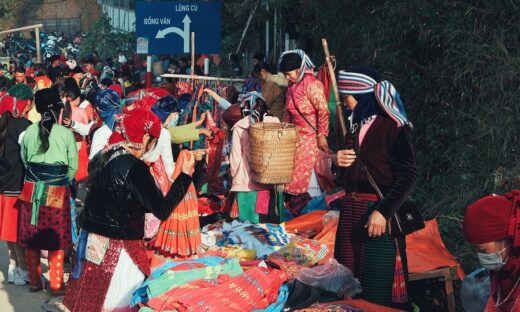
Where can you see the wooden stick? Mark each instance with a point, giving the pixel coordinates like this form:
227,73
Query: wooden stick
342,127
192,54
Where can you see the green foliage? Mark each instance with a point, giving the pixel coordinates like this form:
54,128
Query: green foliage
7,8
103,39
457,66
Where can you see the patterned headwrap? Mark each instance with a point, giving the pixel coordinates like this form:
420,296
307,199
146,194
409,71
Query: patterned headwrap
131,127
356,83
145,103
251,107
132,97
306,63
107,103
164,107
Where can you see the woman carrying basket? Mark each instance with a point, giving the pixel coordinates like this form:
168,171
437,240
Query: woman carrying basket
307,108
253,202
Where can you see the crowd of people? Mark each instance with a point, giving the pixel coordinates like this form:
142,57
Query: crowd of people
145,155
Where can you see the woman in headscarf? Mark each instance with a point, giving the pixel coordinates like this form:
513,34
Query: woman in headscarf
107,105
307,108
12,126
111,259
380,139
51,158
252,201
492,224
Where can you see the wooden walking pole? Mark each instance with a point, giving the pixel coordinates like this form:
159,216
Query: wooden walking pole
342,127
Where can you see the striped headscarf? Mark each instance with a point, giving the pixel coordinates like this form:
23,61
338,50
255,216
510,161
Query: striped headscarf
389,100
306,64
248,104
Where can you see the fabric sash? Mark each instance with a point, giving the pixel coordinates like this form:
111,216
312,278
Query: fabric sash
44,175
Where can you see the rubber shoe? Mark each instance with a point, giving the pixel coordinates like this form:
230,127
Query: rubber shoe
11,272
21,277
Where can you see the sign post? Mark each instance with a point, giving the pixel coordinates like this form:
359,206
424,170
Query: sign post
166,27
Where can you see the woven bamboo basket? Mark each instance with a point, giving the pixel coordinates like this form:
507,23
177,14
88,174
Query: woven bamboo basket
273,147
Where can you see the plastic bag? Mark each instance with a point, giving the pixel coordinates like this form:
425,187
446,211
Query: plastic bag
475,290
332,277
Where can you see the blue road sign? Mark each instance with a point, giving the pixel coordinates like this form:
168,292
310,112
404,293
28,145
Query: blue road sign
166,27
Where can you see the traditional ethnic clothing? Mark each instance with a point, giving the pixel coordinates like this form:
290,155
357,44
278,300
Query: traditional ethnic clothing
386,149
491,219
110,247
251,198
45,216
306,102
12,171
179,235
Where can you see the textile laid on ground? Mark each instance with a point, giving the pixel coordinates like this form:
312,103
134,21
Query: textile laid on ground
257,289
179,235
264,238
173,274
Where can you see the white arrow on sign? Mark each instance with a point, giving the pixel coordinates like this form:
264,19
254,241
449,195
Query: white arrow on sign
184,34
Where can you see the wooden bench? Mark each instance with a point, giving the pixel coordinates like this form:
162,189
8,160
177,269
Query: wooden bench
447,275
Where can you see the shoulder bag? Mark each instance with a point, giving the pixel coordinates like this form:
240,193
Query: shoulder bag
407,219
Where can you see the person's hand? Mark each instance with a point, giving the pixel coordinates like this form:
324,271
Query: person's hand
210,92
67,122
345,158
199,154
206,132
188,165
376,224
323,144
199,122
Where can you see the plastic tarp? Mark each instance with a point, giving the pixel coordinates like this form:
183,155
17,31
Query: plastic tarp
425,248
427,252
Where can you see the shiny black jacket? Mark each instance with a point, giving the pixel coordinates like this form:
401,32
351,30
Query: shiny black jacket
122,192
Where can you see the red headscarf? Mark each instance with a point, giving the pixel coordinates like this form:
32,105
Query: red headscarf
132,127
493,218
156,92
145,103
13,105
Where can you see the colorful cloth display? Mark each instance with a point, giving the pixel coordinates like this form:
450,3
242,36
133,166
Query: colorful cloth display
179,235
175,274
257,289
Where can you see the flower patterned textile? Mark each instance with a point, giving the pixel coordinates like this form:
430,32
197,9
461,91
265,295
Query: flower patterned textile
309,96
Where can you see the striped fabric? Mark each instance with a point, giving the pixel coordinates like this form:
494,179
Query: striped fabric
247,103
307,63
355,83
373,261
350,83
